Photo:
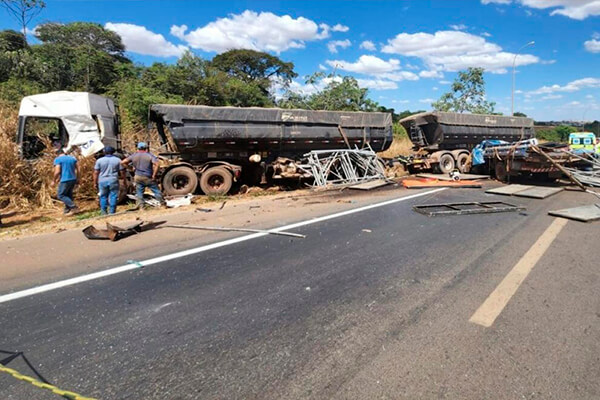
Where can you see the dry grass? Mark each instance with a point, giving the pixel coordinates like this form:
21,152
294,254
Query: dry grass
27,185
400,147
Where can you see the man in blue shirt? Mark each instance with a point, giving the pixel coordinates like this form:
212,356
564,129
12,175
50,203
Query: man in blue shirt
107,172
146,168
66,173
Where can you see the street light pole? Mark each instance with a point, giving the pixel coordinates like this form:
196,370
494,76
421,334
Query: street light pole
512,106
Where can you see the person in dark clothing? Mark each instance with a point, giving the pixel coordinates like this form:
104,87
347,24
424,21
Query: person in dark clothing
146,168
66,174
107,171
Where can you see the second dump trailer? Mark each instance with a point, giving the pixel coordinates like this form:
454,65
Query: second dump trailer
443,140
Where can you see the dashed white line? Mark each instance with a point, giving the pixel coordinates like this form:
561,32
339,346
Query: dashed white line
127,267
491,308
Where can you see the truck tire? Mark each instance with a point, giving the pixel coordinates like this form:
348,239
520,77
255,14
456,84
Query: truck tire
179,181
500,171
461,163
446,164
215,181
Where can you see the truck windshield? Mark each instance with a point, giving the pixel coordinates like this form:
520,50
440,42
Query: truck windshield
40,134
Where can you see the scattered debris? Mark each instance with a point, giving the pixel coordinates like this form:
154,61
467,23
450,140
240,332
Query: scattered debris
251,207
367,230
535,192
201,209
427,183
223,205
179,201
484,207
342,167
226,229
442,177
583,213
243,189
114,233
370,184
148,199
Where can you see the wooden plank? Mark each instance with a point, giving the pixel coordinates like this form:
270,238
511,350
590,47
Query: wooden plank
509,190
583,213
445,177
427,183
539,192
370,185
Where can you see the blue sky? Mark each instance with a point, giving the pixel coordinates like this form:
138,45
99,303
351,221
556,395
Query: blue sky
405,52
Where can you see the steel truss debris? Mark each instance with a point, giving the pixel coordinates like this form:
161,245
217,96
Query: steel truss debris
484,207
342,167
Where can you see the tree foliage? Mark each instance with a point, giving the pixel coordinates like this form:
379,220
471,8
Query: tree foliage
467,94
23,11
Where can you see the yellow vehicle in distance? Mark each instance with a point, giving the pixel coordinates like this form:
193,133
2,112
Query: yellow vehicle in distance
584,142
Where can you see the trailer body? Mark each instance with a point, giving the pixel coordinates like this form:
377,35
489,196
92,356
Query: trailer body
255,144
443,140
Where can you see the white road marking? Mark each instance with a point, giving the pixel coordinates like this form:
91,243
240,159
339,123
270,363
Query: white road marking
127,267
491,308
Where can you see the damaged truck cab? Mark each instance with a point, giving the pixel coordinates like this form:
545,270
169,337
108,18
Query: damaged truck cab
67,120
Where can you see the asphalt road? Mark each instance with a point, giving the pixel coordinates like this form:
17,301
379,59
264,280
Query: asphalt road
370,305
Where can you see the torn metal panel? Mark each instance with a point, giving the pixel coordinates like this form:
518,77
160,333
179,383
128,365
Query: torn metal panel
114,233
464,208
583,213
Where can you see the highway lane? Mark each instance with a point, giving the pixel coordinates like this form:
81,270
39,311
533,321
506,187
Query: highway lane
368,305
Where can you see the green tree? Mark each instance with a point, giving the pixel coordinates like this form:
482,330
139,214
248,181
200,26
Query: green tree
254,67
519,114
23,11
12,41
408,113
342,94
78,56
467,94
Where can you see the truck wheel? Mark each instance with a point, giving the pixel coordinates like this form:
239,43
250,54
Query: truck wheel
216,180
461,163
180,181
500,171
446,164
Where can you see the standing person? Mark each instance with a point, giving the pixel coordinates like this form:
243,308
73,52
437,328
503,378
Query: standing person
107,171
66,174
146,168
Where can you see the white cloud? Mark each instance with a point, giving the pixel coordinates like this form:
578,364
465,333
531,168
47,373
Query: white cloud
368,45
572,86
322,67
334,44
431,74
435,88
426,101
459,27
486,34
589,97
401,101
339,28
445,82
367,64
552,97
592,45
138,39
575,9
377,84
454,51
263,31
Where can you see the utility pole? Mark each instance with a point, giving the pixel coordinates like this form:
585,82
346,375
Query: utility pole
512,106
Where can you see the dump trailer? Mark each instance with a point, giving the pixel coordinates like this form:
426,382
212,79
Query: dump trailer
443,141
213,147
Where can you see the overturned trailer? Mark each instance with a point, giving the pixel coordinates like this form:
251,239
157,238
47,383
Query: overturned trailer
215,146
443,140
